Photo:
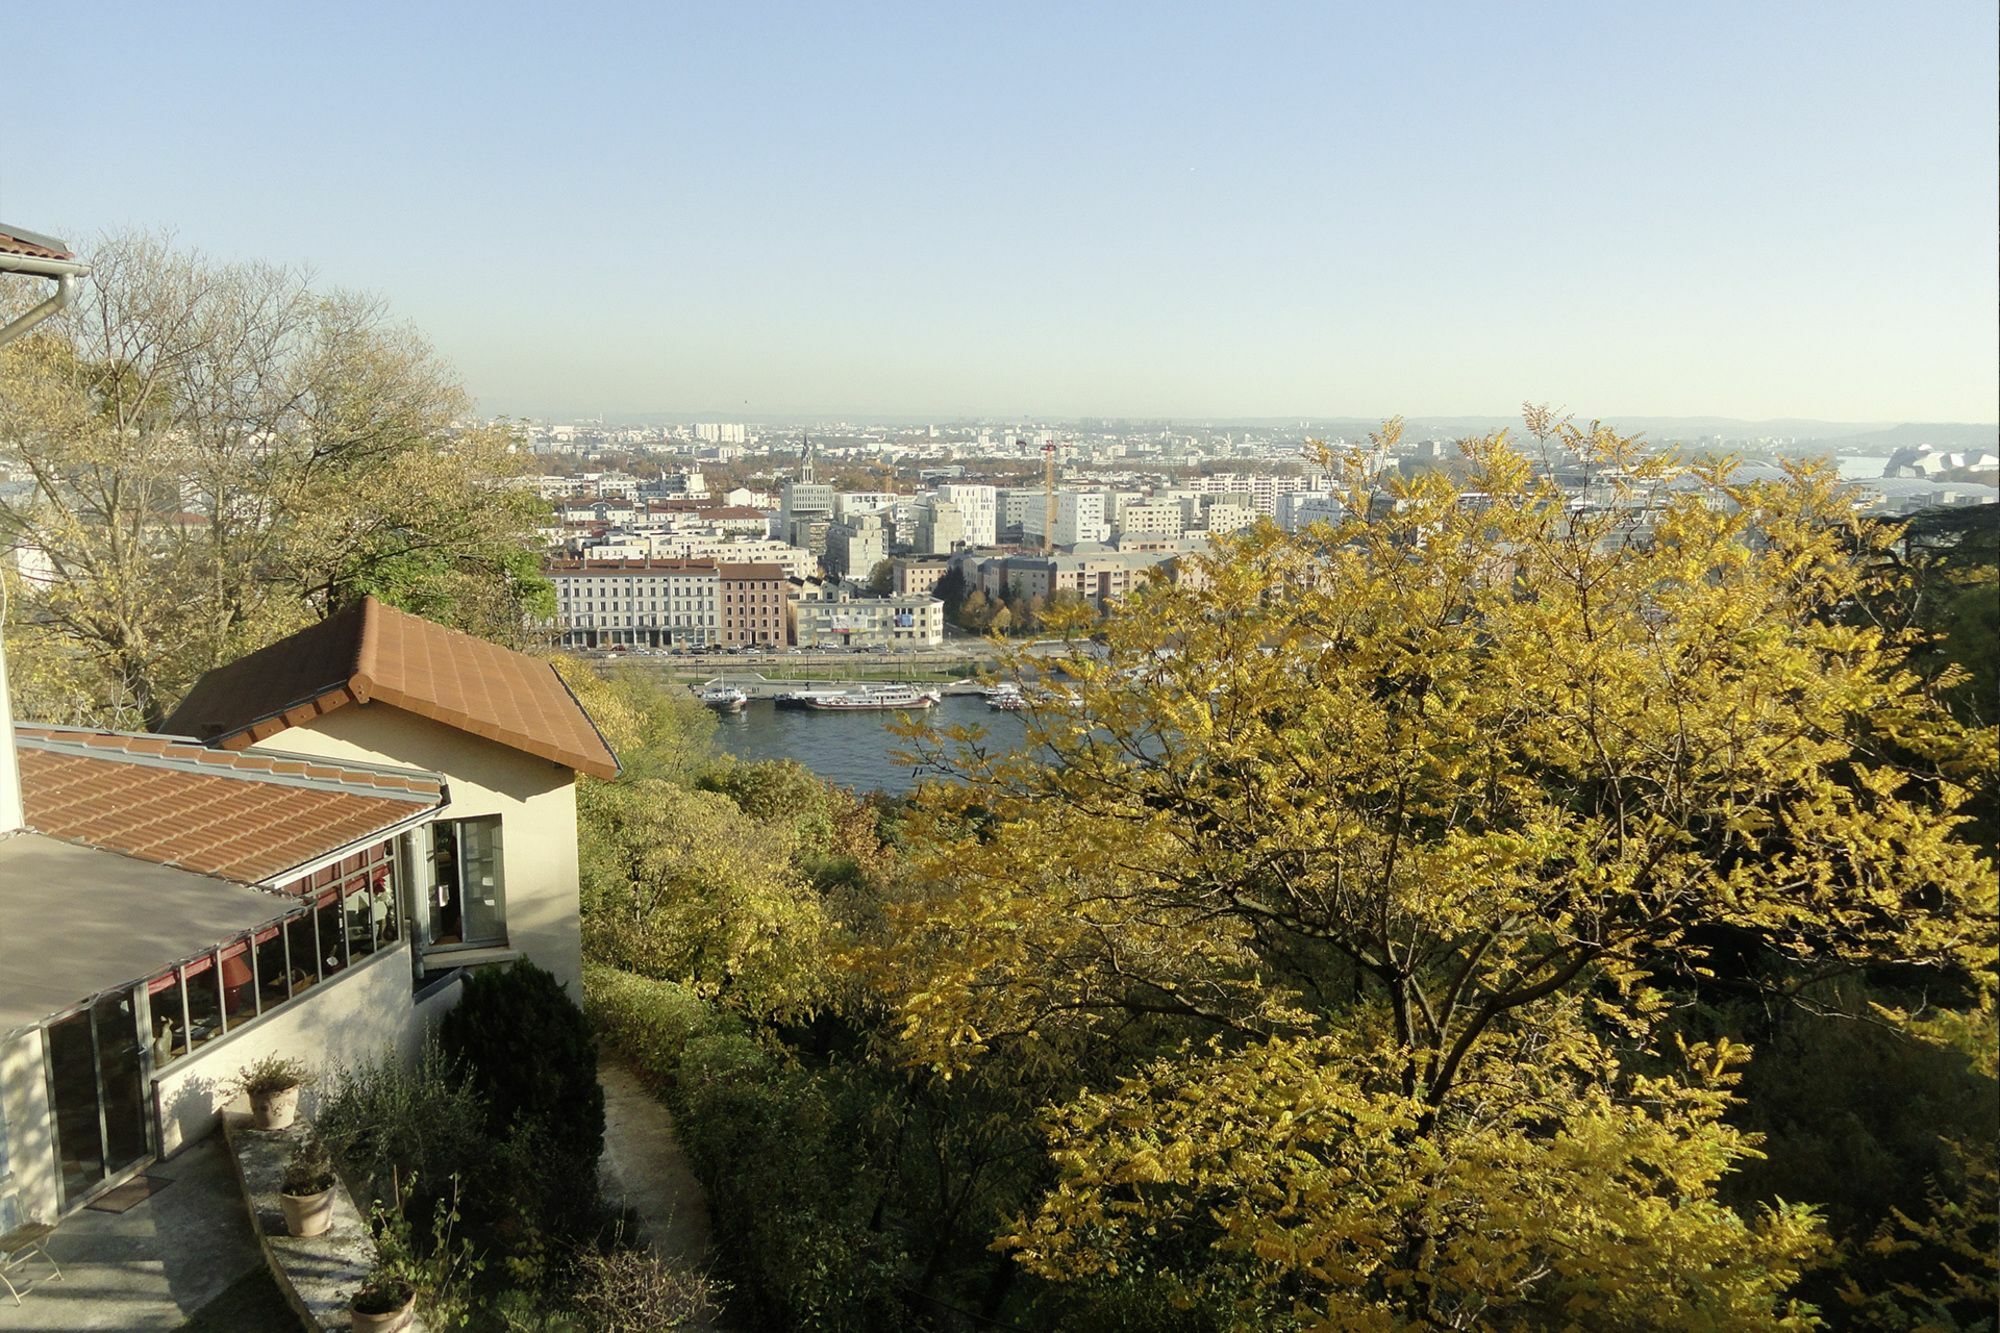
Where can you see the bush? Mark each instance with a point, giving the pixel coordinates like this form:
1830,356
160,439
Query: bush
631,1291
650,1021
385,1123
529,1051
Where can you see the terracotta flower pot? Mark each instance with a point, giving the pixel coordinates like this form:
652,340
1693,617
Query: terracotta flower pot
275,1110
307,1214
384,1323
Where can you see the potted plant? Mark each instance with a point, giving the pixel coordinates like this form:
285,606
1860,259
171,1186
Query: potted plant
272,1084
384,1302
306,1193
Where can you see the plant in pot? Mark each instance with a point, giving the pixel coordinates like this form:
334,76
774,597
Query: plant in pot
272,1084
385,1301
306,1194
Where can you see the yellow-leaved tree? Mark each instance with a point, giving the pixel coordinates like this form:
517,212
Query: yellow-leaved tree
1397,836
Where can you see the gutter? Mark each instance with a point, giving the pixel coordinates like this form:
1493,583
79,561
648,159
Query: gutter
64,271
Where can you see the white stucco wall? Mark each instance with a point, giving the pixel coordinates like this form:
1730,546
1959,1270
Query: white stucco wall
354,1018
31,1148
535,799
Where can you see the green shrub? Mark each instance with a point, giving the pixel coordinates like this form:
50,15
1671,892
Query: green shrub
385,1123
650,1022
530,1052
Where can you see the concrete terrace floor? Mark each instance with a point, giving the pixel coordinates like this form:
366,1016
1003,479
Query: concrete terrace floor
153,1266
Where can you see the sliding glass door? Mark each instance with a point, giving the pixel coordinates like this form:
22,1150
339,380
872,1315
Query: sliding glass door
97,1085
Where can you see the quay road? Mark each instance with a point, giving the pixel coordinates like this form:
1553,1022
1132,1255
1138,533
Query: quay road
961,657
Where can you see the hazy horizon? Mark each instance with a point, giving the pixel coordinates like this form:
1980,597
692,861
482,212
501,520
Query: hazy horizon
769,212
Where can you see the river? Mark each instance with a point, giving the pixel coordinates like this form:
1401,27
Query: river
853,749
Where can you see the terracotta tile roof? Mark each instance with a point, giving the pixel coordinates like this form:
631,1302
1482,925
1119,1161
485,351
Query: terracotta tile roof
14,241
740,573
174,802
374,653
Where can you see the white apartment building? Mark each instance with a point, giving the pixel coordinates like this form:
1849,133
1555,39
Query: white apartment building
797,562
828,617
641,603
940,528
1080,518
851,504
856,546
1301,509
979,507
1150,520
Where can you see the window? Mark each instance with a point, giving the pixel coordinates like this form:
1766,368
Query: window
204,1003
468,903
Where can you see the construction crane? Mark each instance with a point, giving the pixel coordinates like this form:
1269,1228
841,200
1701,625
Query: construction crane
1048,497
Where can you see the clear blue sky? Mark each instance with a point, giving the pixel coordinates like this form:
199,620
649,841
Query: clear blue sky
1742,209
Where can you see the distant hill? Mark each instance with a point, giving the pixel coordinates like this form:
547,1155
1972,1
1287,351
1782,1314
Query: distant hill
1945,435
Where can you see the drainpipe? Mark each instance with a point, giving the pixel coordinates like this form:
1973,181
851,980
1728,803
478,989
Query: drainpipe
65,272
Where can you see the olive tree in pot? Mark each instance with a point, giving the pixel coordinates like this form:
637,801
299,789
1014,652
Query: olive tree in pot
306,1193
272,1084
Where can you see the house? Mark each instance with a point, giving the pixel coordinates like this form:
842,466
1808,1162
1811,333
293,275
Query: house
340,826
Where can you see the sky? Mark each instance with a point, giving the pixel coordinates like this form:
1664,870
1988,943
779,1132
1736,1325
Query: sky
1208,211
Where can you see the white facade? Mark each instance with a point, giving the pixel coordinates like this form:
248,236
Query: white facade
1080,518
1301,509
940,528
979,507
662,605
1150,520
855,547
828,619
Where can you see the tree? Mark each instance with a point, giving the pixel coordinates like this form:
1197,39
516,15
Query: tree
220,454
531,1053
1410,827
881,578
683,886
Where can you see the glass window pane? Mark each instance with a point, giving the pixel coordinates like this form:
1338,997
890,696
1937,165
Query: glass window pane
273,985
73,1072
332,933
299,936
204,1002
120,1080
445,914
485,896
239,987
163,993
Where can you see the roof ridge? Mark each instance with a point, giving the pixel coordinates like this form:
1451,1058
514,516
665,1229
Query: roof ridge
365,656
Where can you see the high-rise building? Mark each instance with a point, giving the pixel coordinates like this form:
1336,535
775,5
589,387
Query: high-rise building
856,546
805,507
1080,518
940,528
978,505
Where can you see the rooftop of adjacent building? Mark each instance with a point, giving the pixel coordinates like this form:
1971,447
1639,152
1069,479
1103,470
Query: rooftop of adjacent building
372,652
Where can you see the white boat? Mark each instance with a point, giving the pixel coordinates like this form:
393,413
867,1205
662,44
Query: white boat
724,698
1007,699
877,697
803,698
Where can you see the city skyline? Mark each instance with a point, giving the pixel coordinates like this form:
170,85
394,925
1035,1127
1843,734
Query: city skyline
1744,212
